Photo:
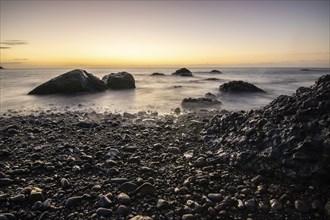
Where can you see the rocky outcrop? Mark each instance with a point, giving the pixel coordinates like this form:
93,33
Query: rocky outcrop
121,80
216,71
158,74
239,87
1,68
182,72
71,82
290,137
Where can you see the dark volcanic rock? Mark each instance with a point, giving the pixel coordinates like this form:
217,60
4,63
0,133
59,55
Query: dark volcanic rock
121,80
158,74
239,86
182,72
71,82
216,71
1,68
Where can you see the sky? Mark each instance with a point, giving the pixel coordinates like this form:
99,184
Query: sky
108,34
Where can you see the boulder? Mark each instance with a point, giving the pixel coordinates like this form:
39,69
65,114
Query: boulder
158,74
1,67
121,80
182,72
71,82
239,87
216,71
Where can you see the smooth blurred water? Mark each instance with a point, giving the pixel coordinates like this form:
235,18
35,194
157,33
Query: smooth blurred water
155,93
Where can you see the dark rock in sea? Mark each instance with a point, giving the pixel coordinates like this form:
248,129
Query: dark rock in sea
305,69
189,102
71,82
216,71
1,68
182,72
212,79
239,87
158,74
121,80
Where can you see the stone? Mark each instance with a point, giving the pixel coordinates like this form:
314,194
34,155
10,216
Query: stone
250,204
7,216
73,201
174,150
35,195
327,209
123,198
141,217
146,189
65,183
127,187
104,212
182,72
121,80
5,181
188,217
104,202
301,206
239,87
71,82
122,210
18,198
215,197
275,204
162,204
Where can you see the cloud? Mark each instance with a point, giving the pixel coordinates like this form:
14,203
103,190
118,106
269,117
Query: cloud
13,42
2,48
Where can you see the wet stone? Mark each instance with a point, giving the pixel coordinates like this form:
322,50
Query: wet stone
188,217
18,198
65,183
275,204
5,181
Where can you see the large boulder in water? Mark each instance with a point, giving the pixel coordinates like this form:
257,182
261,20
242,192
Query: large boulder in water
121,80
71,82
239,87
182,72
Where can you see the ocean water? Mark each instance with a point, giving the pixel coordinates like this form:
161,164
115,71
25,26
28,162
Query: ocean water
153,93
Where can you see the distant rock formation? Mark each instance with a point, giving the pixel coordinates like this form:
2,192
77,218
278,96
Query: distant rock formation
212,79
305,69
1,67
121,80
182,72
239,87
71,82
216,71
158,74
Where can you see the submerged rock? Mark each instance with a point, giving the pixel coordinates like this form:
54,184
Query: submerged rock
71,82
238,87
121,80
216,71
158,74
200,102
182,72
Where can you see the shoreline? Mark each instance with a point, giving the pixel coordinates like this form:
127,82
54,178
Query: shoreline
203,165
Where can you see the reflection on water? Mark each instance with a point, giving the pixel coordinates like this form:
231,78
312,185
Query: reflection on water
157,93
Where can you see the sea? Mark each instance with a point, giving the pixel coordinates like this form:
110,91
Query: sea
161,94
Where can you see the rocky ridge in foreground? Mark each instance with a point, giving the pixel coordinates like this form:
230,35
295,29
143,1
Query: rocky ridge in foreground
192,166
